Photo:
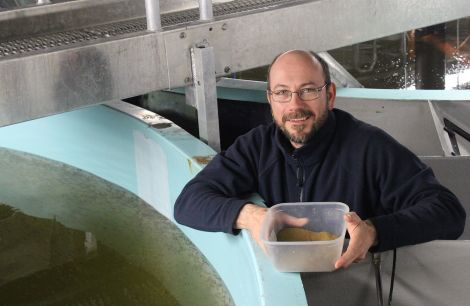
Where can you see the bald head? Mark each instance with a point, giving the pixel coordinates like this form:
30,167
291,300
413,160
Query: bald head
299,102
299,57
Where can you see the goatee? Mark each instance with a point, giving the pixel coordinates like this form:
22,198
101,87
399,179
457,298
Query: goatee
299,136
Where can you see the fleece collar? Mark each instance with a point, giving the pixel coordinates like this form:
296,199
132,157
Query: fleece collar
314,150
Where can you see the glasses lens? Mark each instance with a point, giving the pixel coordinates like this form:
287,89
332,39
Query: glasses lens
282,96
309,94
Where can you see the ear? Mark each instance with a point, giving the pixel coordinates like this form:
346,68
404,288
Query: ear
331,96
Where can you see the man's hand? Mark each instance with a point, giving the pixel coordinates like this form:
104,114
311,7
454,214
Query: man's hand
251,217
362,236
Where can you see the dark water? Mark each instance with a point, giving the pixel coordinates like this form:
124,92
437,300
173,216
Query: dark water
70,238
43,262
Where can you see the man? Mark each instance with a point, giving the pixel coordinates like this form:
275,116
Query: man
314,153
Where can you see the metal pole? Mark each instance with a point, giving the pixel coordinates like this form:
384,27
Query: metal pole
39,2
205,10
203,94
457,47
152,10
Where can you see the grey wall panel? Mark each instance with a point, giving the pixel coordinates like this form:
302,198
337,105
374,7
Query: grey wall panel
409,122
432,274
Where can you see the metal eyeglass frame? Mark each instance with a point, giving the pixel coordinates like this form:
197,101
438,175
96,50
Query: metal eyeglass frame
317,90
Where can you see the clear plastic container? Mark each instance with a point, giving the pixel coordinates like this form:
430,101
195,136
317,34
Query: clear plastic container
305,256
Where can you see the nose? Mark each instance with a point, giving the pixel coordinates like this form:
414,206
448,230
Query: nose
295,99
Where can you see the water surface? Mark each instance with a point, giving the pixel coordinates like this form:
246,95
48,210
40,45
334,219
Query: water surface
70,238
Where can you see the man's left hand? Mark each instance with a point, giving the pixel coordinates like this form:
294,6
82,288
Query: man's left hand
362,236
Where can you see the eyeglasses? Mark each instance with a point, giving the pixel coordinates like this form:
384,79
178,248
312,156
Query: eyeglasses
305,94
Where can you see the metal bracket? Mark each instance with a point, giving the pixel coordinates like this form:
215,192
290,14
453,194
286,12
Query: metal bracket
202,93
453,129
447,143
357,57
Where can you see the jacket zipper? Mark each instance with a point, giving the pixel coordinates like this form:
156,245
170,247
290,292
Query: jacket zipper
300,181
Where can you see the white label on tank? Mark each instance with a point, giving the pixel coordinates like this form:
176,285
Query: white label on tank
152,174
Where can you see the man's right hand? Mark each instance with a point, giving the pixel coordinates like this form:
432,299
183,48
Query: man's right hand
251,217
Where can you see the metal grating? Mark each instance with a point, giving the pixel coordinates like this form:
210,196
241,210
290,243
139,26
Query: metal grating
24,46
43,42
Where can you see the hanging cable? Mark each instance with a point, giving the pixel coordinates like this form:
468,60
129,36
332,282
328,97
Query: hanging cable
378,278
376,260
392,279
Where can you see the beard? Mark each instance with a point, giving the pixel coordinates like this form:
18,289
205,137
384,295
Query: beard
301,135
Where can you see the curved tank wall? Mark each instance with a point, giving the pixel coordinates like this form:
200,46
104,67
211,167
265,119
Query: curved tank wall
153,158
70,237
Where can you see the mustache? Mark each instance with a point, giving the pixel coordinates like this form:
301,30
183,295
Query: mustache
301,113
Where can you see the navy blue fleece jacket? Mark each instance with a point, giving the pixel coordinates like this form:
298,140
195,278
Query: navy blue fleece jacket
347,161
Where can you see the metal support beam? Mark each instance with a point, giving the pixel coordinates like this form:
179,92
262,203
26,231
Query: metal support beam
438,119
205,10
152,11
339,75
203,94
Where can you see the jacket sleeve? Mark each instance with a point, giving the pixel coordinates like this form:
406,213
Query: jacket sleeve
213,199
417,207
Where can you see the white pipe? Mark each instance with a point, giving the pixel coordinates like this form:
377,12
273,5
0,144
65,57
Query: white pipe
205,10
43,2
152,10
